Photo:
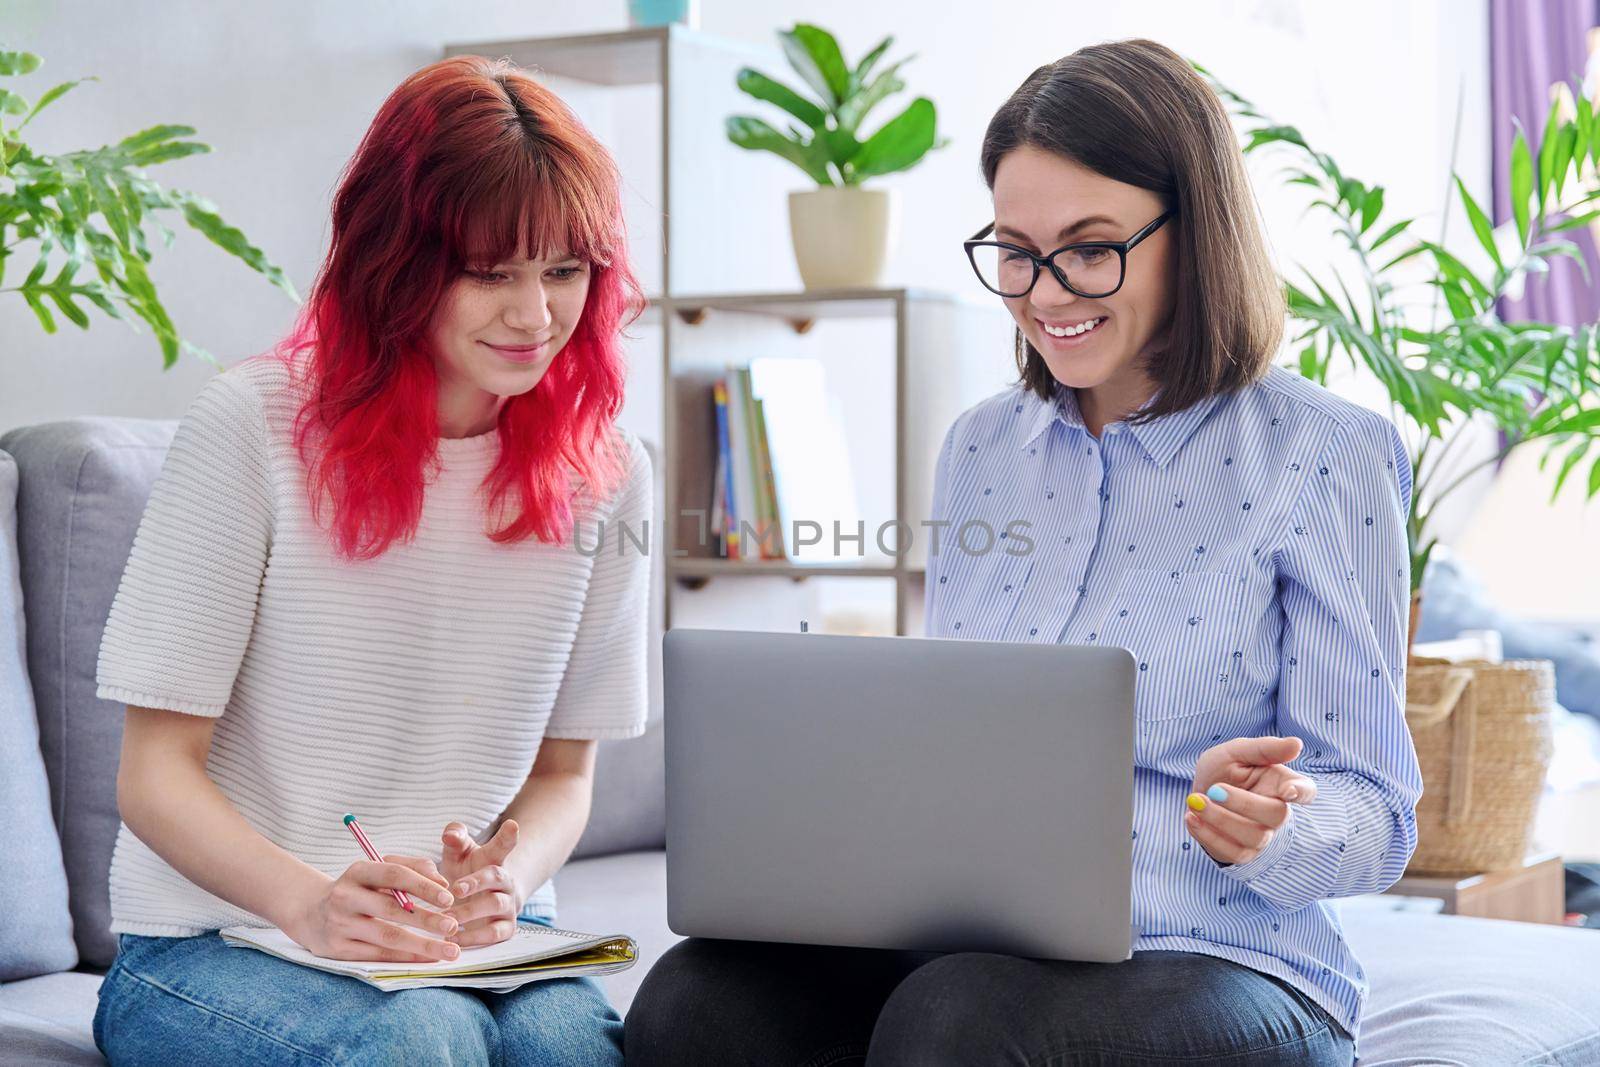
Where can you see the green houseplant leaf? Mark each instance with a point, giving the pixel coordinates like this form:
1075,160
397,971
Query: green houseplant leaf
757,134
1480,223
814,54
762,87
91,208
901,142
51,96
1521,184
14,63
853,111
831,148
870,60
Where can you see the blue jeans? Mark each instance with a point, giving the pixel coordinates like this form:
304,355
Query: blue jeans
738,1002
196,1000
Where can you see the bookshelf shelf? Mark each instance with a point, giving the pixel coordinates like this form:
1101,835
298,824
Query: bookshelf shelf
731,568
903,362
627,57
813,304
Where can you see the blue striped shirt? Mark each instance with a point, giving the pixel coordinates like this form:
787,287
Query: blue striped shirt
1250,551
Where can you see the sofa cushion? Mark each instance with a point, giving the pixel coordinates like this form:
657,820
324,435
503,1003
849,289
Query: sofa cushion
84,486
1454,599
630,793
49,1020
35,925
1452,989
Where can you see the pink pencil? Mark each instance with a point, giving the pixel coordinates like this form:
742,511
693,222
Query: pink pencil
372,854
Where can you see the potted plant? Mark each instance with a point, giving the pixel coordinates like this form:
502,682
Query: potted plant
1451,364
842,232
91,206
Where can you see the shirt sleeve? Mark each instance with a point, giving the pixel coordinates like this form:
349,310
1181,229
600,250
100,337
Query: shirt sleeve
940,506
186,604
604,693
1344,587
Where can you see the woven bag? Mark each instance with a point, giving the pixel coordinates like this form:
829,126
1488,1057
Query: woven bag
1483,736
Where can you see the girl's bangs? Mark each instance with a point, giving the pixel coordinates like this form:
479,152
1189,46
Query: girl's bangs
525,214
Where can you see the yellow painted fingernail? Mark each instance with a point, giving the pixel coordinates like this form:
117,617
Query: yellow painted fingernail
1197,802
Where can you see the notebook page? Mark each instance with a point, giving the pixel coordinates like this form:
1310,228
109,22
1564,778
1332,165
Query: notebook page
529,942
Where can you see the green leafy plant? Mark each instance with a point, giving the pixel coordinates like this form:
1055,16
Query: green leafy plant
829,146
1536,382
91,207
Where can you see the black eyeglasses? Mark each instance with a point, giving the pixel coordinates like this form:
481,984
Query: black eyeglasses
1091,269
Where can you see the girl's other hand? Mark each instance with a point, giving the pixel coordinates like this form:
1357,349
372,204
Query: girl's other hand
488,897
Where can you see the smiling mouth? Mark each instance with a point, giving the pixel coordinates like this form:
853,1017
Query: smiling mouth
1075,329
525,355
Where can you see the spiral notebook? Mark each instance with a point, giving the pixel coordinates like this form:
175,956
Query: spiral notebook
532,954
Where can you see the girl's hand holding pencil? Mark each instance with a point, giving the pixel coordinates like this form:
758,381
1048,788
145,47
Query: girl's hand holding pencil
368,912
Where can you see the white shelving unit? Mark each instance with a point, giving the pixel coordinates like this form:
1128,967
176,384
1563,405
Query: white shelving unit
907,361
709,235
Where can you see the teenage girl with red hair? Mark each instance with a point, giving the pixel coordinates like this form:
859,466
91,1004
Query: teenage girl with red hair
397,568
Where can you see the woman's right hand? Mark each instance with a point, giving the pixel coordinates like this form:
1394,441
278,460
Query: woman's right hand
355,917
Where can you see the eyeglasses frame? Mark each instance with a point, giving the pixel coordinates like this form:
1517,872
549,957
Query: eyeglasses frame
1122,248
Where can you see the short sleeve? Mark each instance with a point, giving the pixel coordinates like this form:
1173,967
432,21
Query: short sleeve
186,605
604,693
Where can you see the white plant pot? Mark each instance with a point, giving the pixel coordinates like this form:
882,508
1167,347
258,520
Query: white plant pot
842,235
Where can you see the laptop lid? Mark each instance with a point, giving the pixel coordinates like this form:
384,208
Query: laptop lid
900,792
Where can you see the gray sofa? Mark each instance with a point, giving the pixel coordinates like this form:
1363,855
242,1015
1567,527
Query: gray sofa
1444,989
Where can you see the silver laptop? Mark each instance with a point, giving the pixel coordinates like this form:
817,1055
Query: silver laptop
900,792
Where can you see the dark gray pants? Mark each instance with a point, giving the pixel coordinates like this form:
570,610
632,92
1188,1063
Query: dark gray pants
709,1002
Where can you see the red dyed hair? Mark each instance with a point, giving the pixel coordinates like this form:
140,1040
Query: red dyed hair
468,160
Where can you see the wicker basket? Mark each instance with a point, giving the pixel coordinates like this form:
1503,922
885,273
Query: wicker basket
1483,736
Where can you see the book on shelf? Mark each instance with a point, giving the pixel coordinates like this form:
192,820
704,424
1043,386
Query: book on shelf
772,542
718,521
738,461
725,528
750,528
791,459
781,458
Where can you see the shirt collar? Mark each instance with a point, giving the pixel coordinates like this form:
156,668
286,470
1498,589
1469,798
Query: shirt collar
1161,437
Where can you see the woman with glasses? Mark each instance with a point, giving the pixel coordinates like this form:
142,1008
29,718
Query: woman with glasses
1237,528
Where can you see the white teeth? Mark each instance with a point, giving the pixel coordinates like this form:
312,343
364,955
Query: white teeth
1073,331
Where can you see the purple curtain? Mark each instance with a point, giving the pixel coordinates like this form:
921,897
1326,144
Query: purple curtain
1532,45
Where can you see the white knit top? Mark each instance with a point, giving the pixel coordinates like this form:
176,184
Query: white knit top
412,689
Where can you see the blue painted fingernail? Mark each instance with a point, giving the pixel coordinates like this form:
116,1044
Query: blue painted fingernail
1217,793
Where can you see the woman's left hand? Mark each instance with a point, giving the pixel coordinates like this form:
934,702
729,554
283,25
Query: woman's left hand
1257,789
485,887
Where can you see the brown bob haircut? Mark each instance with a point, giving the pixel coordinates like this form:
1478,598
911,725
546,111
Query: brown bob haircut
1136,112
